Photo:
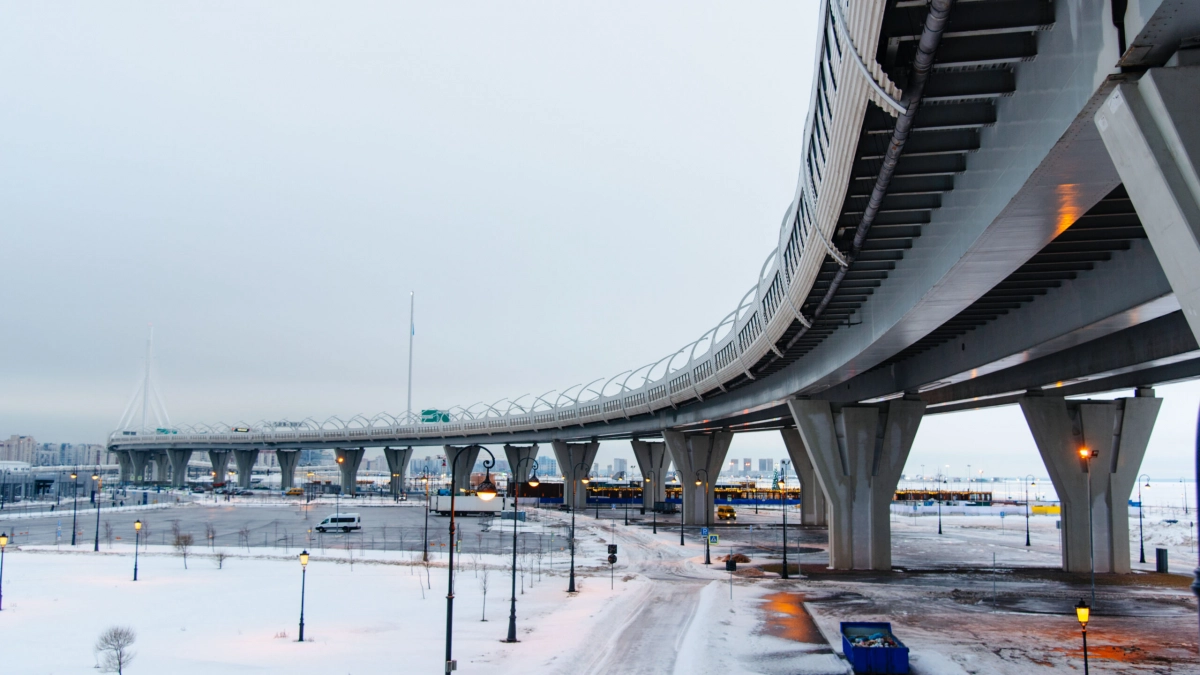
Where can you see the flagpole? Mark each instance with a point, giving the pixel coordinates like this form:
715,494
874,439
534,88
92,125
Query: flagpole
412,330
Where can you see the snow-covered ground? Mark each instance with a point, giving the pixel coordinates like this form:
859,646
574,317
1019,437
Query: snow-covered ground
374,611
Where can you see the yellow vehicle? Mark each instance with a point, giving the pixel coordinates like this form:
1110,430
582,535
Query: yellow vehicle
726,512
294,492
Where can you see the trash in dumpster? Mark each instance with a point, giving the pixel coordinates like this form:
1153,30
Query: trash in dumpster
870,647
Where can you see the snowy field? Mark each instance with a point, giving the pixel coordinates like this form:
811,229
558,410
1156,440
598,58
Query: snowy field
382,611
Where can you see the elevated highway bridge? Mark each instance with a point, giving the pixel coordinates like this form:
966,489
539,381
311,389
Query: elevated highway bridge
997,204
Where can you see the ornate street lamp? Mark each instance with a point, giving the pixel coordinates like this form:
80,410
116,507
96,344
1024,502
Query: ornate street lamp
585,480
137,537
487,492
533,482
303,579
1083,614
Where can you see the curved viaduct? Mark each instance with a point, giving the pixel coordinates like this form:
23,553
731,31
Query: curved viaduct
998,203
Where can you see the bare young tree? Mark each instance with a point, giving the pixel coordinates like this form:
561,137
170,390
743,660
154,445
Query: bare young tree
428,578
210,533
219,558
483,585
145,538
114,649
244,537
183,545
108,533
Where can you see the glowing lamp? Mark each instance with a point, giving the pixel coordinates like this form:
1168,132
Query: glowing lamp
137,525
304,558
486,490
533,481
3,540
1083,453
1083,613
585,480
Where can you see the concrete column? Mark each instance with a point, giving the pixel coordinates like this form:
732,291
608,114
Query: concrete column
693,453
245,466
522,458
470,455
857,454
570,455
288,459
125,461
1117,432
812,499
397,461
653,461
1152,132
179,462
139,459
220,465
348,460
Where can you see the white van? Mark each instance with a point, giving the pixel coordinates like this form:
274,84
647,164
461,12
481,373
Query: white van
344,522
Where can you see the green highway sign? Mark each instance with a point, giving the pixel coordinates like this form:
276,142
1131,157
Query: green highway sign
435,416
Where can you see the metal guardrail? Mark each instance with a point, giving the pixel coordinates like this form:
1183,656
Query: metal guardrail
844,81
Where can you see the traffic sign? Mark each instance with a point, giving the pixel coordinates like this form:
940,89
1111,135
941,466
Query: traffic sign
612,559
612,549
704,531
714,539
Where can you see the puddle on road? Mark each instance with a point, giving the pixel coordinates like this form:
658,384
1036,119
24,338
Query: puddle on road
787,619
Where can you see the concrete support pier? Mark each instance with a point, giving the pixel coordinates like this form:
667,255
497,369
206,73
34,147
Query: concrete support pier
696,455
125,461
1117,433
522,458
1151,131
245,466
569,456
162,467
348,460
220,465
462,479
179,463
812,499
397,461
653,461
139,458
857,454
288,459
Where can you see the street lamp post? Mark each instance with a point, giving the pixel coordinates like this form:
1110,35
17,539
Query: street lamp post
308,494
1029,480
99,486
303,579
630,487
707,513
1141,509
1083,614
941,481
585,480
533,482
487,492
653,509
74,504
1086,455
783,504
425,554
3,545
137,537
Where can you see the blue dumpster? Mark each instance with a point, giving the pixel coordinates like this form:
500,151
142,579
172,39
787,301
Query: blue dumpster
871,648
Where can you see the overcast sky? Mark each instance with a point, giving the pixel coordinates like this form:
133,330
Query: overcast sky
571,190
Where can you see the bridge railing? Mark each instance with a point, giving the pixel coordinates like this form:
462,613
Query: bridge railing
845,78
